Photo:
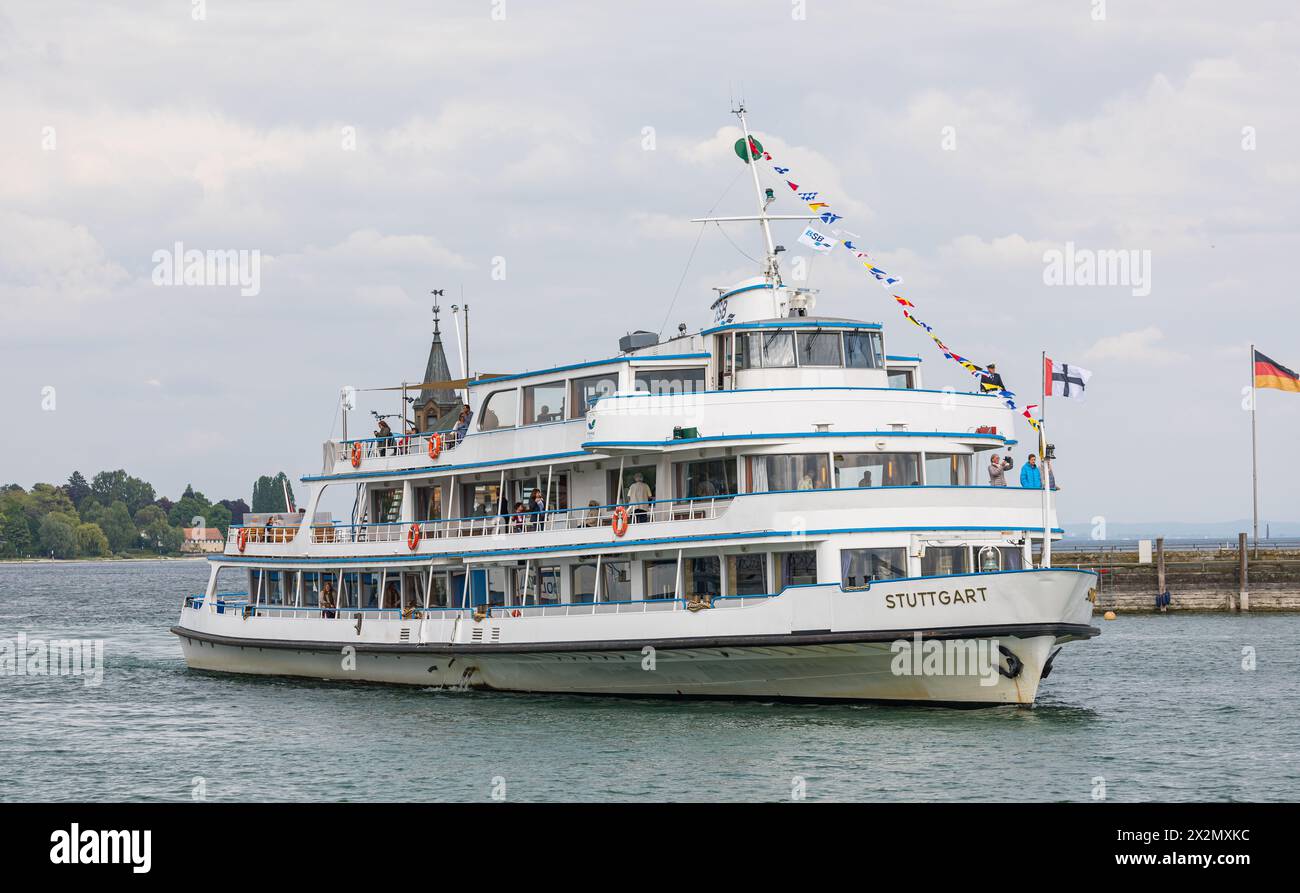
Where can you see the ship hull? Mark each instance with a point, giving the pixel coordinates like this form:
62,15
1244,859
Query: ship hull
849,671
908,641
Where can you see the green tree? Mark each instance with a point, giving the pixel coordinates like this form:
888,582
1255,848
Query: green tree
148,515
47,498
15,535
268,493
110,486
91,541
77,489
118,527
58,535
162,537
219,517
192,505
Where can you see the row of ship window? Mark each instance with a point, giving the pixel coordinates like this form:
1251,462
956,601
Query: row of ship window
758,573
702,478
554,401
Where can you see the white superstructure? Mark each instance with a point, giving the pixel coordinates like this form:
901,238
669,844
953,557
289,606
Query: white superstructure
773,506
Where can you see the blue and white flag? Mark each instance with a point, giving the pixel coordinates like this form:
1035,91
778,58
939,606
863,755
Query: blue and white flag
816,241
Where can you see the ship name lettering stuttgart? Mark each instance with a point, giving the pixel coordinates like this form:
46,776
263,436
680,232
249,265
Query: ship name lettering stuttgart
933,597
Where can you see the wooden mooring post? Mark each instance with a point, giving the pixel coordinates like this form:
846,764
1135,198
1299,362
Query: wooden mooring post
1243,602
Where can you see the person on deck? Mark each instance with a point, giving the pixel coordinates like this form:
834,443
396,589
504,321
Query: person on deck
998,468
327,599
639,496
537,508
462,425
384,434
1031,476
991,380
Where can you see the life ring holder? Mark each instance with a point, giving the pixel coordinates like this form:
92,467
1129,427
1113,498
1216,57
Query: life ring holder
413,537
620,520
356,455
435,446
243,538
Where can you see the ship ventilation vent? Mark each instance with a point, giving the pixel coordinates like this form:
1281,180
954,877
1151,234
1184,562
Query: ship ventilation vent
405,634
496,634
637,340
477,635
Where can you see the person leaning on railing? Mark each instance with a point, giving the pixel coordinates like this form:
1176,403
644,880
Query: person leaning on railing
462,425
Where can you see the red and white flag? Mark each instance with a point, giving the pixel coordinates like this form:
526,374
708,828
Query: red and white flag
1064,380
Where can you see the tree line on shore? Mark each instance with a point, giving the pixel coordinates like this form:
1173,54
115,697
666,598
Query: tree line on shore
117,514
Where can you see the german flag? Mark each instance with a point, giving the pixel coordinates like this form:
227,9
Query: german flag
1269,374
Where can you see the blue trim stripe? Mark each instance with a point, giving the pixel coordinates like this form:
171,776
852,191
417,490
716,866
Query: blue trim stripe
902,359
739,291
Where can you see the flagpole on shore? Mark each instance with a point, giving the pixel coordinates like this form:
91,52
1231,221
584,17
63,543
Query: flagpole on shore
1254,452
1046,560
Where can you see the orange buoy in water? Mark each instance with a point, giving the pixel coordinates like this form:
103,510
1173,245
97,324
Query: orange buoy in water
1109,615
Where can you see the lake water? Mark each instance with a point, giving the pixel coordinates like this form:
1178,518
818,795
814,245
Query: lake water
1159,707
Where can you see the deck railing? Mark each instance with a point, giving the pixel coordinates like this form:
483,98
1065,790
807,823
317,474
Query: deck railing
240,603
659,511
397,445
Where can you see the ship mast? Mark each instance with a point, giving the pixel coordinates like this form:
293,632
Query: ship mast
771,270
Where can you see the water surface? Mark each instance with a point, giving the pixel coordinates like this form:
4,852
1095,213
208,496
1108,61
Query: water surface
1158,707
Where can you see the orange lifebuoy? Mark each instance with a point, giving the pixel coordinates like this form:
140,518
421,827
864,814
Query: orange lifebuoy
243,538
413,537
620,520
435,446
356,455
514,613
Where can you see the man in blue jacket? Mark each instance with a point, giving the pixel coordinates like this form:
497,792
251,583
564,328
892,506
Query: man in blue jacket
1031,478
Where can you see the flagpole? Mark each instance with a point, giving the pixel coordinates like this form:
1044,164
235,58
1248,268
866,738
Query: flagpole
1254,451
1046,560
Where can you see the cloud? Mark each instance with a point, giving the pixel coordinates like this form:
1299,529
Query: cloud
1142,347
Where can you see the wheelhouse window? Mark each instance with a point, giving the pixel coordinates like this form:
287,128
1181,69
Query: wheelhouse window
943,560
765,350
544,403
819,349
747,574
858,567
796,568
500,410
877,469
947,469
864,350
670,381
803,471
587,391
706,477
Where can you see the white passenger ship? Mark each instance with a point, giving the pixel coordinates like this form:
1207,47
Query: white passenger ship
771,507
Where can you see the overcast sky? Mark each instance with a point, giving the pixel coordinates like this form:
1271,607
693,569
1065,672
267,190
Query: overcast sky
1168,127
